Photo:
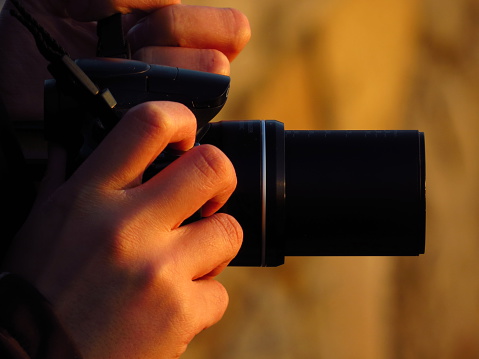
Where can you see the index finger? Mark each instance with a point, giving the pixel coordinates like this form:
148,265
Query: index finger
202,27
133,144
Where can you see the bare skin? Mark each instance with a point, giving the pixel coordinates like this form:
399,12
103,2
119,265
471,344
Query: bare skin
109,252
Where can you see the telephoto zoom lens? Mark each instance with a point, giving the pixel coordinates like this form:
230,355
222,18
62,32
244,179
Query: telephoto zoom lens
324,193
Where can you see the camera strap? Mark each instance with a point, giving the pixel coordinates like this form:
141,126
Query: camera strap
69,76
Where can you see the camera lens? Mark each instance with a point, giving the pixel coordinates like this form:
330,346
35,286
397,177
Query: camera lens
355,193
323,193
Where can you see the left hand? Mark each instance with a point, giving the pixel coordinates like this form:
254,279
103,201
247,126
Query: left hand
161,32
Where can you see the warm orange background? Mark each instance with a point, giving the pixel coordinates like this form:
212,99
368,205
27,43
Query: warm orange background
364,64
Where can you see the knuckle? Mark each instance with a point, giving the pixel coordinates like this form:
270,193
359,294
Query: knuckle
222,298
241,27
214,166
121,238
153,119
172,18
160,119
194,315
230,231
219,300
215,61
183,311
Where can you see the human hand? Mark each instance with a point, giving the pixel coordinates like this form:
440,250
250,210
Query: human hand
109,253
161,32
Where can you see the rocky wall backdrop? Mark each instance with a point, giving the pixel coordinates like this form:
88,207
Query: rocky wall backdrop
364,64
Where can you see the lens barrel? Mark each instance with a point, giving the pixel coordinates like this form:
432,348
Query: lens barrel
323,193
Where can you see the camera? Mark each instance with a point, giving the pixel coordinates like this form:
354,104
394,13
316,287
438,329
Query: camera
299,193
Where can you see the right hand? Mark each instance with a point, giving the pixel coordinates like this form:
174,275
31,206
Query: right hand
109,253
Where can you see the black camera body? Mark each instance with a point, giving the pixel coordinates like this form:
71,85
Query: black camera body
299,193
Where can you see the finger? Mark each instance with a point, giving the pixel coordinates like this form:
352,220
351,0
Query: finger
201,27
206,60
208,245
139,137
203,176
88,10
212,299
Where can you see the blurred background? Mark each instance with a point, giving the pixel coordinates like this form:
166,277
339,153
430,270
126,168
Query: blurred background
364,64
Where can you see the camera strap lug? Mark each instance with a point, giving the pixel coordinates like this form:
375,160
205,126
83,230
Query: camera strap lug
111,38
